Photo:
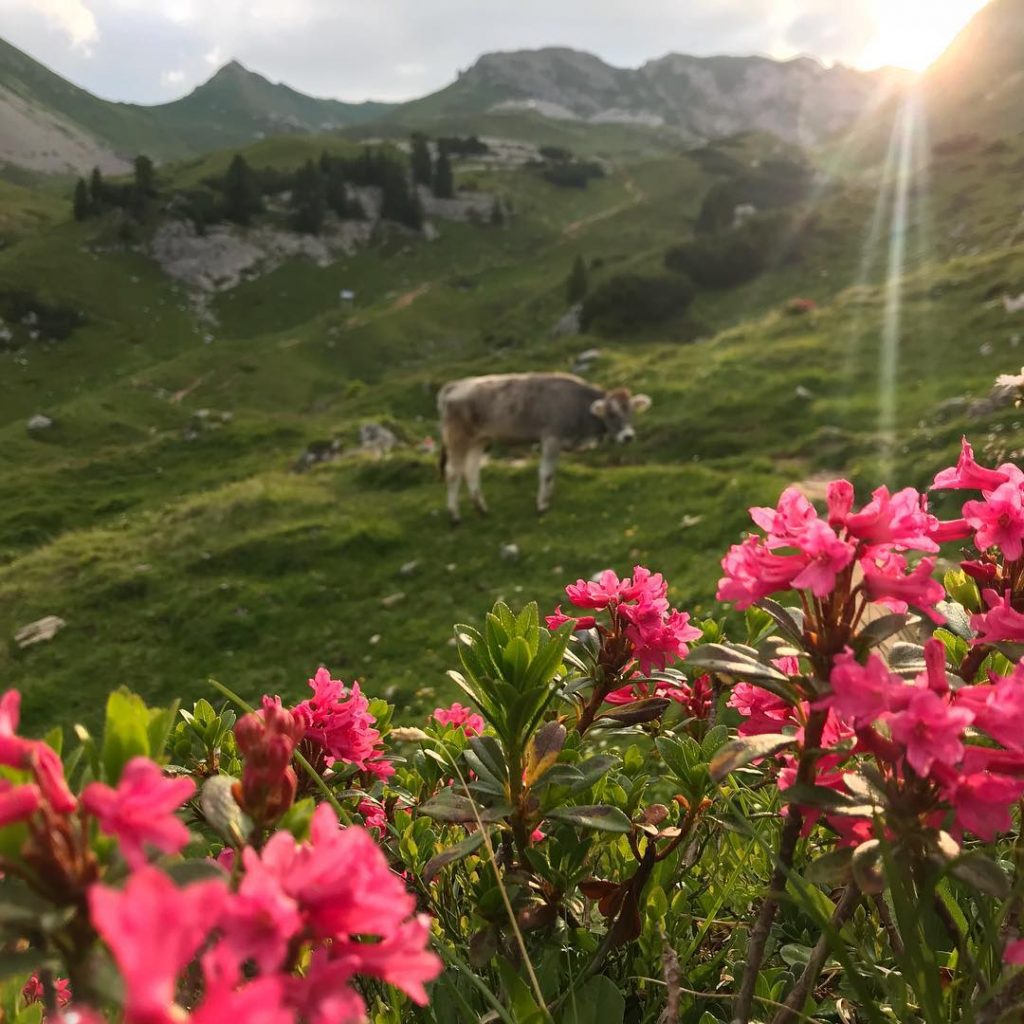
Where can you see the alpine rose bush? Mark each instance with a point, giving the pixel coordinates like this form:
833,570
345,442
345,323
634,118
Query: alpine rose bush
805,808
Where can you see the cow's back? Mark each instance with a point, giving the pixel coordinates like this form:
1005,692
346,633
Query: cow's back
520,406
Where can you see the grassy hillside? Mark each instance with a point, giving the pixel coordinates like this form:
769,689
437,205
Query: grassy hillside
159,516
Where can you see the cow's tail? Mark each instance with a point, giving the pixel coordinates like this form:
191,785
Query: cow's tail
442,462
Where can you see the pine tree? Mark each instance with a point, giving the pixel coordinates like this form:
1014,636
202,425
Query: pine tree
397,201
97,191
309,200
81,200
444,185
497,213
422,164
145,176
242,198
576,284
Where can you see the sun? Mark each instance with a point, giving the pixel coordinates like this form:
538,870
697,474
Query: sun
912,33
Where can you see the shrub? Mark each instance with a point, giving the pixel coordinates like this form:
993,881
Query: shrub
635,300
572,175
731,257
775,814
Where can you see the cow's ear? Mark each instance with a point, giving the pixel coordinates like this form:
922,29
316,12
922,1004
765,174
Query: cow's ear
641,403
599,407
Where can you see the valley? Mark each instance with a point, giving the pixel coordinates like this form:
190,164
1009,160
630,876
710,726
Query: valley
160,516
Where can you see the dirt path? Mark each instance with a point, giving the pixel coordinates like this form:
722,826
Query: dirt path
636,195
403,301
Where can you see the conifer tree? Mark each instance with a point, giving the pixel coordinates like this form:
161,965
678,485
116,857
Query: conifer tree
444,184
576,284
309,199
497,213
97,191
421,161
242,198
81,200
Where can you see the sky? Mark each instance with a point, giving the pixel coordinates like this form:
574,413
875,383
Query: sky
151,51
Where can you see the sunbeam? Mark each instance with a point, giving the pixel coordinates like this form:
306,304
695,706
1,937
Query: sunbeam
889,351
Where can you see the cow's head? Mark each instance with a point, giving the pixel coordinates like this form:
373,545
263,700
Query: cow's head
616,410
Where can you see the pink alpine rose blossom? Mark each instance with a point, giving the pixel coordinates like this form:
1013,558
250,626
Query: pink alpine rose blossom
860,693
753,572
786,523
1014,953
839,498
998,521
457,715
1001,622
558,618
339,721
827,557
901,519
140,811
153,929
888,585
32,991
588,594
968,475
930,730
18,802
982,802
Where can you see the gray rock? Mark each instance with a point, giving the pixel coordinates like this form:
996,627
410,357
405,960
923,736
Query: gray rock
510,552
569,323
39,422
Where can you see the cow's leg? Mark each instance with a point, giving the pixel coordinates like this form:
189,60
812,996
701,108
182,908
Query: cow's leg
549,448
454,471
474,458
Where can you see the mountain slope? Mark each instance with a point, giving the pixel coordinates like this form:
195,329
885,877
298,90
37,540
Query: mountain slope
977,84
700,97
49,124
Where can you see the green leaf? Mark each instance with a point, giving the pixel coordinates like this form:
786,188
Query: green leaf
592,769
789,620
640,711
298,818
543,751
516,656
830,869
489,751
221,810
742,751
879,630
598,816
805,795
962,589
450,806
981,873
957,619
598,1001
125,733
186,872
458,852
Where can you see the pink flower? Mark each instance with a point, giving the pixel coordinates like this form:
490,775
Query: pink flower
645,588
786,523
472,723
32,992
1001,622
224,998
18,802
154,929
982,802
262,919
839,496
267,740
930,730
339,722
901,519
141,810
587,594
887,584
860,693
1014,953
998,520
827,557
967,474
953,529
657,639
753,572
559,618
764,711
402,958
342,885
49,772
375,820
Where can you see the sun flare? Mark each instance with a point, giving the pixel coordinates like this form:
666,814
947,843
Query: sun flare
912,33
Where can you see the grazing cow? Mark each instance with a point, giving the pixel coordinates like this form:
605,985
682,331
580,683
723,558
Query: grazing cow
556,409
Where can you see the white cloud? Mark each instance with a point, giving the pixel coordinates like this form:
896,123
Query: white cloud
72,17
214,57
173,77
